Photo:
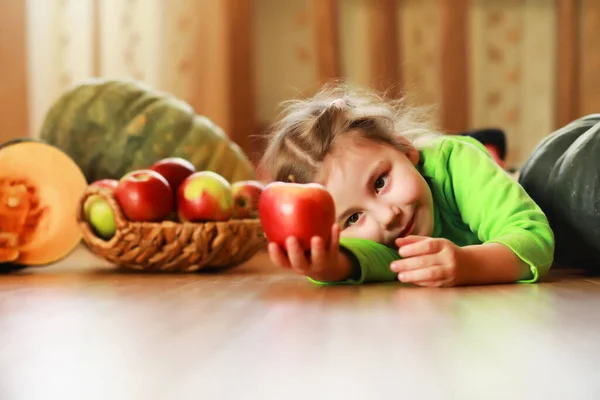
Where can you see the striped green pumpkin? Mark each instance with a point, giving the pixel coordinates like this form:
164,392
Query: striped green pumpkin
112,126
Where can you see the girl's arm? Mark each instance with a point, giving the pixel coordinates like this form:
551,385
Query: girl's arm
360,261
499,211
491,263
438,262
343,261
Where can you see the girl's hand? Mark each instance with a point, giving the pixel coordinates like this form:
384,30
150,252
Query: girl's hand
428,261
324,264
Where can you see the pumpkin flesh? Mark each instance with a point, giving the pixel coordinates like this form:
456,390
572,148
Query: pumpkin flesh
40,187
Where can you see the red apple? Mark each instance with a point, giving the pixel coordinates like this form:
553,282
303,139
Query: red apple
295,209
205,196
174,170
144,195
106,183
246,195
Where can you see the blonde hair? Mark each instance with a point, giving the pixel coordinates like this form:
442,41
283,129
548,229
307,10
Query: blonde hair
308,129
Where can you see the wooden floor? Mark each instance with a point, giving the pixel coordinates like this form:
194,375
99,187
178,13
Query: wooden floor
82,330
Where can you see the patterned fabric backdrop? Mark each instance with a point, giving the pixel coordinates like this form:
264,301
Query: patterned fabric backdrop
511,60
512,70
60,51
72,40
511,55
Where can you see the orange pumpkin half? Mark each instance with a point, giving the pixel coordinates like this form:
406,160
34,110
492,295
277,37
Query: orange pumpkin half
40,187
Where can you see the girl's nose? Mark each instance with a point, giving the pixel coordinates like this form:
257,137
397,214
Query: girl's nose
388,216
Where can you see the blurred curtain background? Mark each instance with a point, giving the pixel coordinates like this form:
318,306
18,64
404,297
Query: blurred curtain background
526,66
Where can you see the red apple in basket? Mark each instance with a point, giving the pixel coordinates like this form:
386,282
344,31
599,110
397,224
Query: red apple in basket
106,183
204,196
174,170
295,209
144,195
246,195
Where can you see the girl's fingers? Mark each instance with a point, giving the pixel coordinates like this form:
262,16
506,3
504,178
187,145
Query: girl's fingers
414,263
277,255
335,237
405,241
430,275
296,258
431,284
418,248
296,255
318,254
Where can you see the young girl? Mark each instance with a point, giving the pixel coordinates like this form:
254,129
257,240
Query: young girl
411,205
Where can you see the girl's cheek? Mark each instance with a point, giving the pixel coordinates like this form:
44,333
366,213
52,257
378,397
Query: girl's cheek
354,230
408,190
366,230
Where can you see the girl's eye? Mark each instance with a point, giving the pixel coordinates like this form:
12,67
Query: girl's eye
380,182
352,219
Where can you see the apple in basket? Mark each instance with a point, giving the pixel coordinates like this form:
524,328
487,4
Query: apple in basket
296,209
144,195
99,215
246,195
97,211
106,183
204,196
174,170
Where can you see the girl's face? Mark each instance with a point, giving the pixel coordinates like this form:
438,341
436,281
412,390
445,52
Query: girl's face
377,190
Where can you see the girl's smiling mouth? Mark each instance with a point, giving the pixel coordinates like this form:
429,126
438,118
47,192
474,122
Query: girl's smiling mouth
408,228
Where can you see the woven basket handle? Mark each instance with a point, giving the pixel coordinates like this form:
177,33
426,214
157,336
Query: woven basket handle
120,220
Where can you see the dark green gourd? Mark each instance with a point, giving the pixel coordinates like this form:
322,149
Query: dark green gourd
112,126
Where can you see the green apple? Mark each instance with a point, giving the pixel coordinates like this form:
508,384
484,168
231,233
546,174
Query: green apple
100,216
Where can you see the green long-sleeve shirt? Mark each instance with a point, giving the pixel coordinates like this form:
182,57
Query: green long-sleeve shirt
474,202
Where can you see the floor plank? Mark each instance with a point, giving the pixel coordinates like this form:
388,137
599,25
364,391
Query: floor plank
82,329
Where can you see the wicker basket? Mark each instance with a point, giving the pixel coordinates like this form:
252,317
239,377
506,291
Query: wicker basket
172,246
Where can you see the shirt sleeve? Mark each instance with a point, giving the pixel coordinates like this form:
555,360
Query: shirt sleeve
370,260
497,207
